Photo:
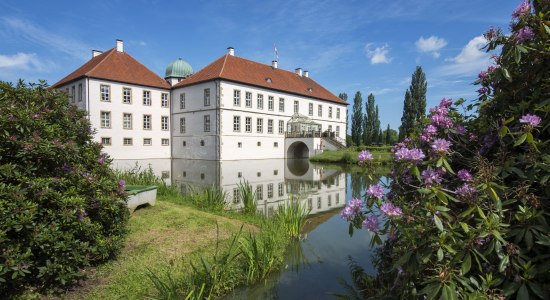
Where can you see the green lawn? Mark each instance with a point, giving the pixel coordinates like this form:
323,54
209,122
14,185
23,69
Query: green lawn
350,156
165,234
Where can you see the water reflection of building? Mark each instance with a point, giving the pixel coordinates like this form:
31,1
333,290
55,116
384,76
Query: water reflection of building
274,181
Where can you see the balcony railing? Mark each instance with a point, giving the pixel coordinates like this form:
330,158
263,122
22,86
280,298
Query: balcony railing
303,134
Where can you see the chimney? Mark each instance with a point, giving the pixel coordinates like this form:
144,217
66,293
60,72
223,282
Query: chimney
306,74
119,46
299,71
96,53
274,64
231,51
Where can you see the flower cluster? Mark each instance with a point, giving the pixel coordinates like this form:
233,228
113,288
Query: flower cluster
432,177
466,192
524,34
371,223
522,10
531,120
364,156
464,175
441,146
390,210
352,209
375,191
414,155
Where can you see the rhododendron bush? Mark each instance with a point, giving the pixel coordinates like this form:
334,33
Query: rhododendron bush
468,209
61,207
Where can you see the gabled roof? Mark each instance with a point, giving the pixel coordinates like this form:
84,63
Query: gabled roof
245,71
116,66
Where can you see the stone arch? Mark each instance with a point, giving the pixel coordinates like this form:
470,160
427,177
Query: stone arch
298,150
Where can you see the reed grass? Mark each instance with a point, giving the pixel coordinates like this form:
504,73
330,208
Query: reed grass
139,176
260,254
211,198
292,216
248,197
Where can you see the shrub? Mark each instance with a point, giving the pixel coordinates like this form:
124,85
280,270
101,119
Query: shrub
468,212
61,207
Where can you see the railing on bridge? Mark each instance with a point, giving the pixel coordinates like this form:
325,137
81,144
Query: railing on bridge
303,134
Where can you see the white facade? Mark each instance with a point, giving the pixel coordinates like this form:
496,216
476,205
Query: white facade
131,121
245,122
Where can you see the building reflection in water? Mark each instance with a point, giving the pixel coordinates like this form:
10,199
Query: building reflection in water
274,181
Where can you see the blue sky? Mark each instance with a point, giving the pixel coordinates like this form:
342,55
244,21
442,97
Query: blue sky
347,46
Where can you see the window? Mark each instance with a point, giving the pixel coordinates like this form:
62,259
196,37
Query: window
182,125
239,144
184,143
184,174
206,97
236,196
310,109
80,92
164,123
275,172
147,142
182,101
337,130
281,189
269,126
259,144
164,100
329,201
337,113
105,92
248,99
147,122
260,192
259,125
329,128
260,101
275,145
309,204
127,141
318,202
320,110
202,143
127,95
106,141
239,174
248,124
270,190
236,123
126,121
281,104
270,103
281,126
259,174
236,98
147,98
296,106
105,119
207,123
165,142
337,199
330,112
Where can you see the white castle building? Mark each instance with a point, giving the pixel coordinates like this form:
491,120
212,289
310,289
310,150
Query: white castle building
232,109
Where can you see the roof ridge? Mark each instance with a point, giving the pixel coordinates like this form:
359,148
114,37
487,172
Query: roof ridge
107,54
223,65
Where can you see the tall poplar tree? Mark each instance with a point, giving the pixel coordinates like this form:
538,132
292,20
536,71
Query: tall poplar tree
414,106
370,121
377,132
388,136
357,119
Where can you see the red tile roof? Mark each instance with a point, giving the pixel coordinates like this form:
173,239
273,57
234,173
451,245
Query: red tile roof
245,71
116,66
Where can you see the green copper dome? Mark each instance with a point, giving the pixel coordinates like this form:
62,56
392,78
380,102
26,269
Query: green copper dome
179,68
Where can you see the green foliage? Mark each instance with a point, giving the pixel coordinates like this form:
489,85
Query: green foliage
247,197
371,128
414,107
211,198
357,119
139,176
61,206
292,216
486,236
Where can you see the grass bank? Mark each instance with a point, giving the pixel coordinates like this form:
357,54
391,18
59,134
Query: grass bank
382,155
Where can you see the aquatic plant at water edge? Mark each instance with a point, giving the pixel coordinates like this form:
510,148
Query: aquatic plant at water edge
468,212
146,176
292,216
247,197
61,206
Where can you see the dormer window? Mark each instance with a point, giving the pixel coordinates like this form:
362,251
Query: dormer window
310,90
268,79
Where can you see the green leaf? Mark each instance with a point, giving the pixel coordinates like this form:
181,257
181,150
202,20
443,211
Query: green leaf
503,263
523,293
546,28
520,140
466,264
448,166
441,196
464,227
529,138
506,74
503,131
439,254
537,289
350,230
439,162
481,214
438,223
448,293
517,55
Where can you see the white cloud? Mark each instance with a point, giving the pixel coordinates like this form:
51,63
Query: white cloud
380,55
28,31
431,45
471,59
24,61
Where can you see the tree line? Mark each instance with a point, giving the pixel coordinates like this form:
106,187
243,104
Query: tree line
365,125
